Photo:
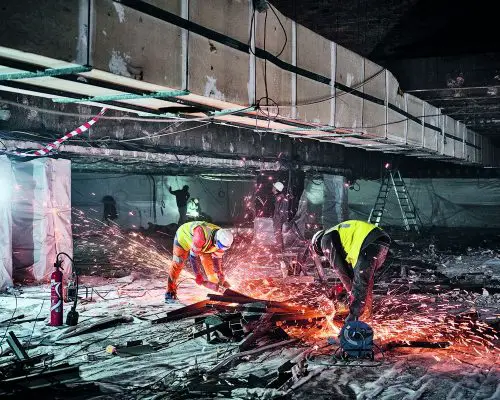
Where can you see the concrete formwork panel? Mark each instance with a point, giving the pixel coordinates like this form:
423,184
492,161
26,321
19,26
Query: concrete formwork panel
349,72
460,132
478,148
228,17
350,68
46,27
348,111
396,122
470,151
415,130
431,136
314,52
172,6
373,119
218,71
132,44
449,142
269,28
307,91
279,84
486,153
374,114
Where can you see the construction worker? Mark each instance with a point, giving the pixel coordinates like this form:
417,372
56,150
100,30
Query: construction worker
181,198
355,249
280,215
199,240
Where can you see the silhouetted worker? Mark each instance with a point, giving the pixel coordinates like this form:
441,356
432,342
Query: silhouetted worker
110,213
181,197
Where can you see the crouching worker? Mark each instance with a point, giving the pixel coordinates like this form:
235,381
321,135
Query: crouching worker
355,250
199,241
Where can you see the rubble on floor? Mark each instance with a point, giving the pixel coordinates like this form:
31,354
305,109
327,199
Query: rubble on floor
435,341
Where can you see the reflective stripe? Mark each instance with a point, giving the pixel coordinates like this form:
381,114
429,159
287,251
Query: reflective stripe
184,236
177,259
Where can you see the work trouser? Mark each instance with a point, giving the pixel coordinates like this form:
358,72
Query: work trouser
358,281
278,235
182,214
179,258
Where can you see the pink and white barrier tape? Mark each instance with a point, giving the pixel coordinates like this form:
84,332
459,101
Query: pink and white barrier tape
54,145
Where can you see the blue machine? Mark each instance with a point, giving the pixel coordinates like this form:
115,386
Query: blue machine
356,340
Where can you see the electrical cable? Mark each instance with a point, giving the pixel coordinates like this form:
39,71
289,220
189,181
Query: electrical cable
160,134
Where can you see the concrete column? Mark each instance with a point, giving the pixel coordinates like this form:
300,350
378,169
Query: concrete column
335,208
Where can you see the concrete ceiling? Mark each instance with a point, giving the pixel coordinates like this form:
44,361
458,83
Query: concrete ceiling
445,52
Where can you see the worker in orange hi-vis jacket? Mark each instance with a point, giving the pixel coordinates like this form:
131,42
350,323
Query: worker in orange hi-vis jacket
200,241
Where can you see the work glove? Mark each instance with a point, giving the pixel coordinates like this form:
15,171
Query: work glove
199,279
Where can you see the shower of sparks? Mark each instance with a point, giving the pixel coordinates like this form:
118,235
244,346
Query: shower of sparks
253,269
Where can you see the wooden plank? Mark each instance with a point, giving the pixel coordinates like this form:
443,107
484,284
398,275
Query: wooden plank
184,312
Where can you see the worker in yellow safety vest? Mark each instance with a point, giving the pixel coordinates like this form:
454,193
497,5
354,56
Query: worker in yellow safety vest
355,250
199,240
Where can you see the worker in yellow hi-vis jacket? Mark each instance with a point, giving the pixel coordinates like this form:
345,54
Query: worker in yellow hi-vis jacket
355,249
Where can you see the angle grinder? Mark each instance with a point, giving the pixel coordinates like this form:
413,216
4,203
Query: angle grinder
356,340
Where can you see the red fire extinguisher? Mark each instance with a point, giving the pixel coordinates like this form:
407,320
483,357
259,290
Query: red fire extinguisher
56,295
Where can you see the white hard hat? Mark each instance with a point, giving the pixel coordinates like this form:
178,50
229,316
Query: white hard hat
223,239
278,186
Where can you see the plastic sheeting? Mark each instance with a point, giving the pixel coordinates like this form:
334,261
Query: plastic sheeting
41,217
335,200
6,188
440,202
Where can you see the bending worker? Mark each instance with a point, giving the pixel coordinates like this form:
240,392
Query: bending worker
203,241
355,250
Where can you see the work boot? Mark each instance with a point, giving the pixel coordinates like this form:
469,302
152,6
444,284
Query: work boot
170,297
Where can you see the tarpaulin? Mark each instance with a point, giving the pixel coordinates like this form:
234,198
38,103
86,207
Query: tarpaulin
41,216
6,188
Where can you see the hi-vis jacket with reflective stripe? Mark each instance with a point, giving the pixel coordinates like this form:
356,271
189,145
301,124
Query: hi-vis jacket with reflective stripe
352,235
198,236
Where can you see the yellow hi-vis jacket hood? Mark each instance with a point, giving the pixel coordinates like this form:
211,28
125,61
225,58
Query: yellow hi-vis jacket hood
352,235
185,236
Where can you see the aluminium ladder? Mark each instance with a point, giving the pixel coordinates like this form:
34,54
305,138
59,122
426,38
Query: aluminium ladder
393,178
